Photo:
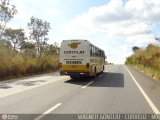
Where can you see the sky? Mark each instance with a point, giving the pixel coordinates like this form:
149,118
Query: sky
113,25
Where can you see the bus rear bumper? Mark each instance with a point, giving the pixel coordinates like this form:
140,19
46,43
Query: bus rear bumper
74,74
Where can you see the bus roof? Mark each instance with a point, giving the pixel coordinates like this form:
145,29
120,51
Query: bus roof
83,40
77,40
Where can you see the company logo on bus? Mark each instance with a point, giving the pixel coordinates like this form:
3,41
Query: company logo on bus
74,45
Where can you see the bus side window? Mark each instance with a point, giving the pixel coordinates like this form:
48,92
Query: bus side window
94,51
99,53
91,50
102,54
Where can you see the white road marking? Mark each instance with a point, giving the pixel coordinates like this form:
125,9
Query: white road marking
29,88
156,111
88,84
100,75
48,111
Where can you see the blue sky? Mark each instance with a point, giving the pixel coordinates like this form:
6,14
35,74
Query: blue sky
113,25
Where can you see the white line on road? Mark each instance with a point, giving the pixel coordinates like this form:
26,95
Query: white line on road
156,111
88,84
100,75
48,111
30,88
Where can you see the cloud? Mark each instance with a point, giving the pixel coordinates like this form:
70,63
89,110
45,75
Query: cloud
23,15
116,54
28,8
117,19
52,11
140,39
144,9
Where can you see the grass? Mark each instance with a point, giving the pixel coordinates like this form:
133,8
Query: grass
146,60
14,64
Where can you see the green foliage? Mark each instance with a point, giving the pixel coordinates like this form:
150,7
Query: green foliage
7,12
28,49
19,55
135,48
148,60
38,31
5,43
16,36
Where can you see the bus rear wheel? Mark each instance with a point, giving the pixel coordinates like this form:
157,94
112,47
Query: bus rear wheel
95,72
103,69
73,77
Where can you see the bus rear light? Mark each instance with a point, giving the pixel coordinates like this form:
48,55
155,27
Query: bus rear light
87,65
60,65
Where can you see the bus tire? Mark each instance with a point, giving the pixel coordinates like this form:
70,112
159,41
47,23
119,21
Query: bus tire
73,77
95,72
103,69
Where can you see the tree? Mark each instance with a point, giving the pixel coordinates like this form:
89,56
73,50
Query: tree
55,47
38,31
51,49
157,38
16,36
28,48
6,44
135,48
7,12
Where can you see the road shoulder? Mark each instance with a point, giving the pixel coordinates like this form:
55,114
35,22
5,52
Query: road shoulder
149,85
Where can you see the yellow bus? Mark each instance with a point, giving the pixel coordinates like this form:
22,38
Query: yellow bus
81,58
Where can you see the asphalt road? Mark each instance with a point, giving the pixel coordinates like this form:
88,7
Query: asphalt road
120,89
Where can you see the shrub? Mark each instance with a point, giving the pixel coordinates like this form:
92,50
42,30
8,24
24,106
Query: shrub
147,60
14,63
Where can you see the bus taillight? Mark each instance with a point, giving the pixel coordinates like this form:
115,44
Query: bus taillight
87,65
60,65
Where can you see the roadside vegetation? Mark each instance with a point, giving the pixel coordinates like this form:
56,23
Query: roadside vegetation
22,54
146,59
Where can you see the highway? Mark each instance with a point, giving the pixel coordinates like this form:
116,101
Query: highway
120,89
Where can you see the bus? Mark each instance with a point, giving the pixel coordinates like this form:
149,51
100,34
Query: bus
80,58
